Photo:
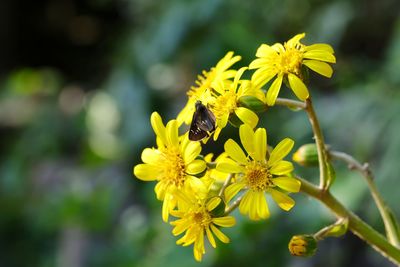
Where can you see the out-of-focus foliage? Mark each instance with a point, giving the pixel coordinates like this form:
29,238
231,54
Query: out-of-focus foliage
79,80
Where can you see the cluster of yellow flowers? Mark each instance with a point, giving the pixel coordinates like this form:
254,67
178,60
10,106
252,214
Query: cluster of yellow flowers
200,193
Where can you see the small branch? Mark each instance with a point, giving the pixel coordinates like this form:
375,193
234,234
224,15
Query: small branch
356,225
290,103
390,225
226,183
234,205
319,141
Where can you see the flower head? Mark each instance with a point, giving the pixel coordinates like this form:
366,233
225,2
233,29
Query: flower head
258,173
173,164
286,62
225,102
197,219
220,74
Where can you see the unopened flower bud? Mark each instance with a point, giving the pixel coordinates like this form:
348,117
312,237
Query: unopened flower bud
303,245
306,155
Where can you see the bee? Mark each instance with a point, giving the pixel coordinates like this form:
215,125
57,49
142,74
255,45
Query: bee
203,123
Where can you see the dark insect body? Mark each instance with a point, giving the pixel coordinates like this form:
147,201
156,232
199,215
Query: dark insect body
203,123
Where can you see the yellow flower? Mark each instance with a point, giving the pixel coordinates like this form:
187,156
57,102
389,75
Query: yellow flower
220,74
259,173
173,164
226,103
286,61
197,219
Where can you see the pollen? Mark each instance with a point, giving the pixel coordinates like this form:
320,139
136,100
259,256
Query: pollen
224,104
290,61
258,176
201,217
173,167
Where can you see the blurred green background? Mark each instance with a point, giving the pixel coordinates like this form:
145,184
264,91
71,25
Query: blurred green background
80,78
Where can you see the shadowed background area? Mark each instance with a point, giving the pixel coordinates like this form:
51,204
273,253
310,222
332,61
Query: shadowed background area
79,80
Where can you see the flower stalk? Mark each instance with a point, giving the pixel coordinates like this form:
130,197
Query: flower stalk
388,220
319,141
356,225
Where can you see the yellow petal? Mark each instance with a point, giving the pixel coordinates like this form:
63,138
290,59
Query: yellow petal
158,126
295,40
245,204
228,166
221,236
259,63
235,152
298,87
246,137
273,90
146,172
260,144
196,184
247,116
232,190
213,203
324,47
282,167
151,156
172,133
216,133
278,47
264,51
288,183
321,55
196,166
166,207
227,221
255,199
210,237
262,206
280,151
237,76
320,67
191,152
262,76
284,201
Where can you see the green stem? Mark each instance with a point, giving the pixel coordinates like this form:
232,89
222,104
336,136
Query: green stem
319,141
356,225
290,103
390,224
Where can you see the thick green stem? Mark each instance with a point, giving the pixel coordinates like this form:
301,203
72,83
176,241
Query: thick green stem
389,222
356,225
319,141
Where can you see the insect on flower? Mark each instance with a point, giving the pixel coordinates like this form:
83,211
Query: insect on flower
203,122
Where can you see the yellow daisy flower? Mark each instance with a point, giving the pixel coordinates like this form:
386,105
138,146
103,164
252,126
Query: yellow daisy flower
220,74
286,61
197,219
173,164
226,102
259,173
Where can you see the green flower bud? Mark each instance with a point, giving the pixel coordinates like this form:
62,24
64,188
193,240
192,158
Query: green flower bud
306,155
303,245
253,103
219,210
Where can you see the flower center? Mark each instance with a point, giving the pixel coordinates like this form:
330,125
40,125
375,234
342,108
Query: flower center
201,217
258,177
290,61
224,104
173,167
